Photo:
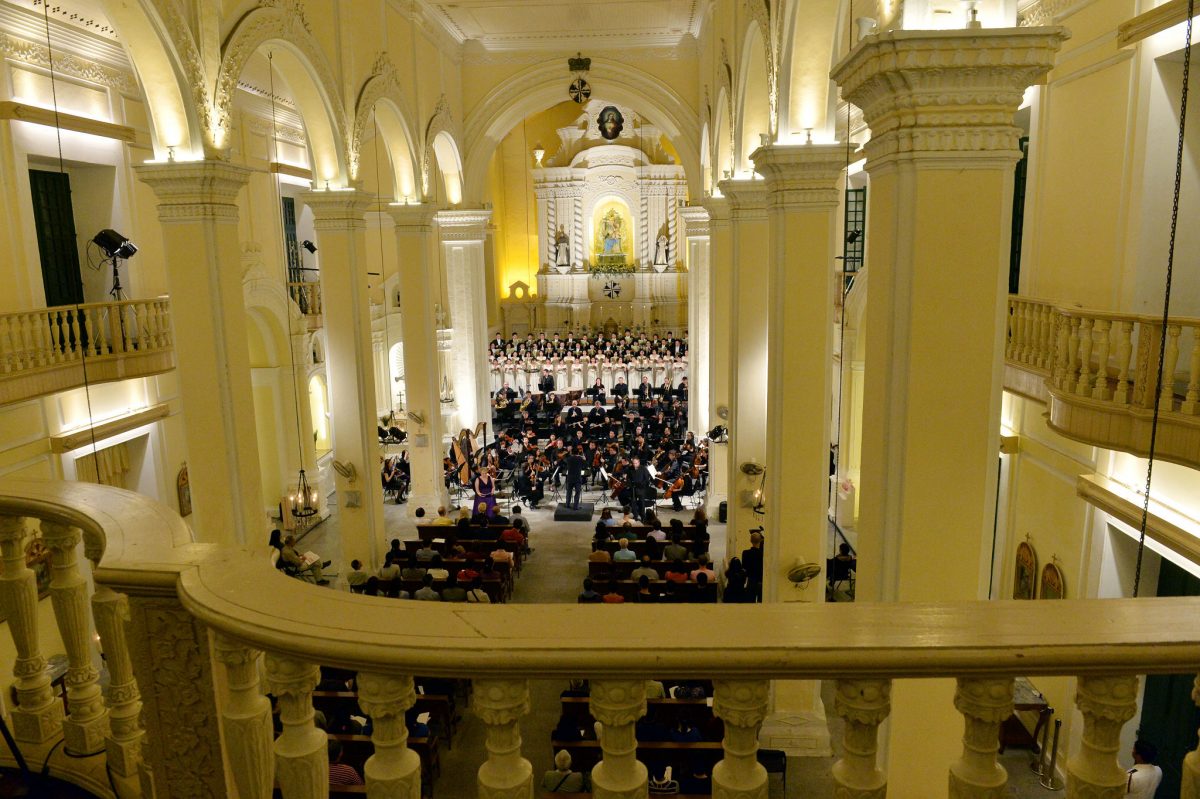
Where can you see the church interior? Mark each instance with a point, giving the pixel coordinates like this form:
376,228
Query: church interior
883,317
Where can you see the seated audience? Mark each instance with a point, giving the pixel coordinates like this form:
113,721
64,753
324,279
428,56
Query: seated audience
426,552
612,596
644,570
426,592
562,779
588,595
676,572
413,571
704,592
296,562
339,772
624,554
390,570
442,519
437,570
357,578
476,593
454,593
599,553
704,568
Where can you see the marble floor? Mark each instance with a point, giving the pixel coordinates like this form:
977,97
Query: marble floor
554,573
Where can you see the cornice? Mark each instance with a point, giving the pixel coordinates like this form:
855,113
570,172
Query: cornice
800,174
695,221
71,64
747,197
192,190
415,218
951,94
468,224
337,209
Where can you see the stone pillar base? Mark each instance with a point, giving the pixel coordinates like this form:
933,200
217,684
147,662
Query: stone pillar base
37,726
799,734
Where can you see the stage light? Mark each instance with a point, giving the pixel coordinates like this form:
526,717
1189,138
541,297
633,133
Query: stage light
114,245
308,245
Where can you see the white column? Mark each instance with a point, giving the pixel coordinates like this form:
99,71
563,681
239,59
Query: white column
246,720
462,234
720,306
38,715
198,214
742,705
617,705
86,727
340,223
416,257
863,705
500,704
301,750
1106,703
393,770
985,704
123,748
695,219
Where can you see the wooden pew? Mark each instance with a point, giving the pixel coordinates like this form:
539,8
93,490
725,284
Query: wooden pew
345,703
586,754
622,569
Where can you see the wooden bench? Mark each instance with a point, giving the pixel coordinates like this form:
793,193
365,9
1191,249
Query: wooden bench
622,569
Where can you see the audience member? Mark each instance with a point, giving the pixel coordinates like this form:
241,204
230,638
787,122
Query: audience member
675,550
339,772
1144,777
436,569
704,592
599,553
371,587
624,554
752,560
426,592
426,552
390,570
676,572
644,569
612,596
645,593
357,578
454,593
476,593
735,588
562,779
442,520
704,568
412,571
588,595
607,518
299,564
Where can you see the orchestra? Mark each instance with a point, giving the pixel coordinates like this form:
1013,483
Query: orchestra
633,445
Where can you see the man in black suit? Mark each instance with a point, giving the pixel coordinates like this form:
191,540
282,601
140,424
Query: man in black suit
574,469
621,389
645,390
546,384
639,484
574,417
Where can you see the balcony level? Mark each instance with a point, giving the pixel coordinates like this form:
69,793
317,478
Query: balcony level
54,349
1097,372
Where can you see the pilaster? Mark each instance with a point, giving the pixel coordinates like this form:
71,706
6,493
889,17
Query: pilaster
416,257
943,146
198,212
748,298
720,307
462,234
340,223
699,327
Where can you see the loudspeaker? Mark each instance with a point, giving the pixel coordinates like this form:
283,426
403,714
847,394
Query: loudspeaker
723,512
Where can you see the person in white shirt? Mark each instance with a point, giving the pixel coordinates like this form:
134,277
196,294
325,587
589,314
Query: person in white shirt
357,578
624,553
390,570
1144,777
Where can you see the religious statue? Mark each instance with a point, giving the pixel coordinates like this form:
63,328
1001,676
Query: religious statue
613,232
562,248
660,250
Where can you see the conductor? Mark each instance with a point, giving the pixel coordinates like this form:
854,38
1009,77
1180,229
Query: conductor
575,467
640,487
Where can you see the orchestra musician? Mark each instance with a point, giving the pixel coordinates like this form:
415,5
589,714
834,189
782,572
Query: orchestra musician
546,383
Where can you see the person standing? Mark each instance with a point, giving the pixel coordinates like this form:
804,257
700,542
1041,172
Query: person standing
639,483
574,469
752,561
1144,777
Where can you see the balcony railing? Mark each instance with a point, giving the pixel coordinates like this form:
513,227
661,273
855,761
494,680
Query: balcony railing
47,350
1097,371
192,609
307,295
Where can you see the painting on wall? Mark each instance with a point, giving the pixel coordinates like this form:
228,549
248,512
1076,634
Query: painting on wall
1054,585
610,122
183,488
1025,575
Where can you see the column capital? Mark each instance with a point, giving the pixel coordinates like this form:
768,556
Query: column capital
468,224
747,198
695,221
416,218
194,190
718,211
801,175
338,209
947,94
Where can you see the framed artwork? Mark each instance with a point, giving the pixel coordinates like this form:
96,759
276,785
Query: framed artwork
1054,585
183,488
610,122
1025,573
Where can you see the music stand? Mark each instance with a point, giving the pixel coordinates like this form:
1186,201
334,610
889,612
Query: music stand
605,498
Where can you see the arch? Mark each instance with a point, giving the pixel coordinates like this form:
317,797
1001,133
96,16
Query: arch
752,116
541,86
722,144
170,72
381,95
706,160
318,408
444,152
806,94
300,61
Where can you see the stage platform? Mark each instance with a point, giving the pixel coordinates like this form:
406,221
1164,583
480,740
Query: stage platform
564,514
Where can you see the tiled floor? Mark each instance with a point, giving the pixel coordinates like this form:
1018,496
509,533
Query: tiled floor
553,574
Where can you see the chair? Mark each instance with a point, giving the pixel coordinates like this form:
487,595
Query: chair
775,762
841,575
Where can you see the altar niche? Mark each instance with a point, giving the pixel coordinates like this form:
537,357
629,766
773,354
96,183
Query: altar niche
608,215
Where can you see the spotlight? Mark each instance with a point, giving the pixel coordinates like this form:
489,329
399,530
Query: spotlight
114,245
308,245
853,236
718,433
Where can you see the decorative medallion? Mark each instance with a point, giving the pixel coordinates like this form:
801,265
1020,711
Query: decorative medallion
1025,578
610,122
580,91
612,289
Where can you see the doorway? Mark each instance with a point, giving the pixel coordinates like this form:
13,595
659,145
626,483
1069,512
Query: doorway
58,251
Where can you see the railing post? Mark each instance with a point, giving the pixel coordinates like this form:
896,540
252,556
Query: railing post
1100,384
245,720
1083,386
863,704
1191,398
301,750
86,726
742,705
1124,349
617,705
985,704
500,704
1106,704
393,770
124,744
1170,358
1191,761
38,714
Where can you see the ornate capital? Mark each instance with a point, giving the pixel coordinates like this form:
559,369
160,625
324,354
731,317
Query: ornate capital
290,677
948,93
801,175
466,225
500,701
12,530
385,694
192,190
741,703
747,198
986,700
618,702
338,209
863,701
416,218
695,220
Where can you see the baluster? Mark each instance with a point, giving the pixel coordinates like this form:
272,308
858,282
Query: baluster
38,714
1027,336
1106,704
76,341
393,770
246,720
500,705
87,725
53,355
617,705
6,344
124,744
1012,346
1084,384
1100,385
39,337
1191,399
1170,359
1124,332
1065,352
301,753
141,312
156,317
1191,761
28,353
742,705
1049,338
864,704
985,704
165,309
89,328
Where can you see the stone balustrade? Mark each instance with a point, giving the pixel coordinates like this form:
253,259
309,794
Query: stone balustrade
1098,373
46,350
191,609
307,296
